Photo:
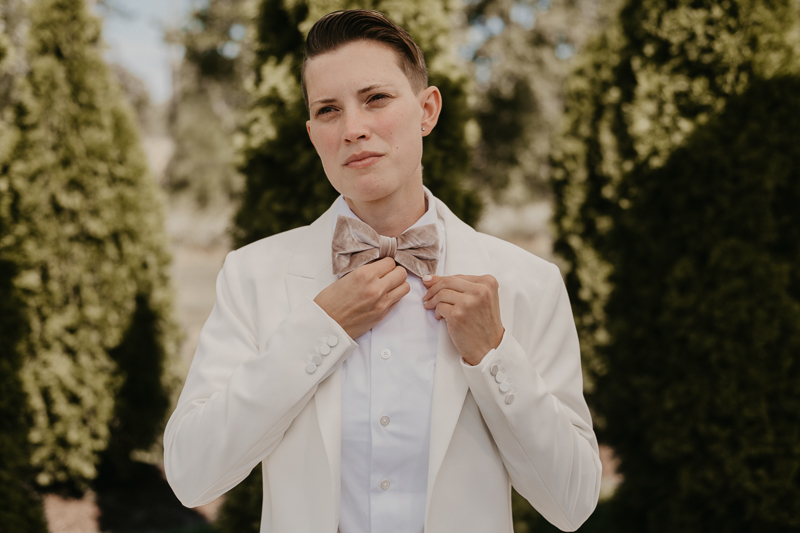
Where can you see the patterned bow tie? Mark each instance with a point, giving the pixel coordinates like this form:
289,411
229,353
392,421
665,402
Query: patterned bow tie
355,243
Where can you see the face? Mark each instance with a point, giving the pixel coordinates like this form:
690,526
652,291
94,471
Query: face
366,121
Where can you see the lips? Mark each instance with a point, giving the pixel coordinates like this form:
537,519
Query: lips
362,159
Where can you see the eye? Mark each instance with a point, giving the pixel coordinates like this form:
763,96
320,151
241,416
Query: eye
324,110
378,97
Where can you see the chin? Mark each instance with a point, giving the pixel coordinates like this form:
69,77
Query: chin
367,189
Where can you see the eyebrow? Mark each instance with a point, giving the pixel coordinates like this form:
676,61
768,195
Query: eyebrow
360,92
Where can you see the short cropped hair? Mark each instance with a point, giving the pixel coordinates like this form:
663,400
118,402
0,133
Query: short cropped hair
339,28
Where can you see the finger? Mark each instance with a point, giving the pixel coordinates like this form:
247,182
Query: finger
394,278
445,295
397,293
447,282
487,280
443,310
381,267
429,280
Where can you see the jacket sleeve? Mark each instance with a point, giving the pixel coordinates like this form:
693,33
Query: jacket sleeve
541,424
239,400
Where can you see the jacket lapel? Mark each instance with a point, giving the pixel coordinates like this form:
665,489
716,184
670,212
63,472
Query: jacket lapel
309,272
463,255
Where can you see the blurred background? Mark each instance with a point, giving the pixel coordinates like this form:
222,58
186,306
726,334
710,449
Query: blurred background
650,148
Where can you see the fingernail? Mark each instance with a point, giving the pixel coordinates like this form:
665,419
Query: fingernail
427,277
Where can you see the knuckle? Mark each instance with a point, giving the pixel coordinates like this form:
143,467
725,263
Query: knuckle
372,292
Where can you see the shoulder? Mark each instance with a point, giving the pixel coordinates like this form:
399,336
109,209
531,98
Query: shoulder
508,257
270,254
517,269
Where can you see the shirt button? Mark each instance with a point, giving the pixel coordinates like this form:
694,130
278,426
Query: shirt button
333,340
494,370
386,354
311,367
324,349
384,420
385,484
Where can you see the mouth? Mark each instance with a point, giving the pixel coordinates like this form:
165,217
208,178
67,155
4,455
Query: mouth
362,159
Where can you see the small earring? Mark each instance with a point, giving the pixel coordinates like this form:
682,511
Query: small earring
423,128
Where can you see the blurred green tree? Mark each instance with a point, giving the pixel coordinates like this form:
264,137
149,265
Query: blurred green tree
676,184
84,233
521,52
20,508
701,393
286,186
209,102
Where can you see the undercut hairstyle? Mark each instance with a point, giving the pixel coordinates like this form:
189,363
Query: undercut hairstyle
339,28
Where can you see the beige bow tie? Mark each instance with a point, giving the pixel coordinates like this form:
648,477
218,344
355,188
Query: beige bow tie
355,243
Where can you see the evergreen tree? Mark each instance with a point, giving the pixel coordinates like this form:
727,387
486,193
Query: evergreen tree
286,186
637,93
521,53
677,184
20,508
209,102
83,231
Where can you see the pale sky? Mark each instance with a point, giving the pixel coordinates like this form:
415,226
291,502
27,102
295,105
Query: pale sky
134,32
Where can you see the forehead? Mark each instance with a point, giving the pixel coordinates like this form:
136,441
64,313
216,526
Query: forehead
352,65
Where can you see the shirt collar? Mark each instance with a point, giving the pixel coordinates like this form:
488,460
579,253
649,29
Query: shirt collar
430,216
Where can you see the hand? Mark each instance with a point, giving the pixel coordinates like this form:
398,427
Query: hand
471,307
365,296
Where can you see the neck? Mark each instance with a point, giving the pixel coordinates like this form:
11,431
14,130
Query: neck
392,215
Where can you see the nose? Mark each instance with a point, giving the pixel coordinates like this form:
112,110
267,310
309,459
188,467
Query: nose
355,126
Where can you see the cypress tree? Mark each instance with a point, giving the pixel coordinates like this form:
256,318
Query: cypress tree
20,508
701,392
84,233
209,102
676,185
286,186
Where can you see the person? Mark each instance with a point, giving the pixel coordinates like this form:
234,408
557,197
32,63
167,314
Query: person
392,369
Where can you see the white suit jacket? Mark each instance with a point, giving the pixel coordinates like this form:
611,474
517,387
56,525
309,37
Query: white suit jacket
248,397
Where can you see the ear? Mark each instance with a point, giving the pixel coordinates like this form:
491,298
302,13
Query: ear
308,129
431,101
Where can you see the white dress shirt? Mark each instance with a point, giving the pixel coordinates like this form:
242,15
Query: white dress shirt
387,387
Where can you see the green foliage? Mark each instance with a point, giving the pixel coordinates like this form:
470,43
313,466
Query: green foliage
83,230
209,102
20,508
703,321
637,93
677,186
241,512
286,186
521,52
